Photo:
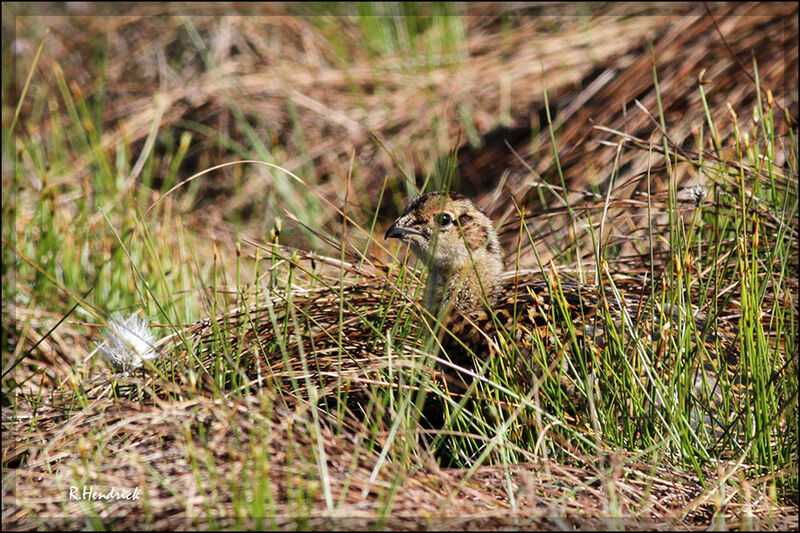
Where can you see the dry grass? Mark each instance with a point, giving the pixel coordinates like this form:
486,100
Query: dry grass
212,450
119,441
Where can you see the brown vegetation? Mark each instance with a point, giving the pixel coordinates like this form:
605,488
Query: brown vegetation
363,122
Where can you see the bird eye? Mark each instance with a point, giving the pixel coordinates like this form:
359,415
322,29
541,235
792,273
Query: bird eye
444,219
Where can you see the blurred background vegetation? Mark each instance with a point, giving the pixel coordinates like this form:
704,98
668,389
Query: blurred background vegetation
355,101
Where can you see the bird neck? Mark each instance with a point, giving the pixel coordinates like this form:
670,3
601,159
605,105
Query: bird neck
465,287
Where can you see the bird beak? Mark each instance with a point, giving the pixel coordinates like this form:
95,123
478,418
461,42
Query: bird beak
397,231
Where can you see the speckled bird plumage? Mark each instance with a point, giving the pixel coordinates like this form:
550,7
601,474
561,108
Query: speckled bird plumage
458,242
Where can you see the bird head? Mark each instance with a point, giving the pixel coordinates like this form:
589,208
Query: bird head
456,239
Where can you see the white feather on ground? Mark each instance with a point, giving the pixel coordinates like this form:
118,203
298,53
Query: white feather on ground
127,342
